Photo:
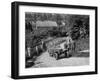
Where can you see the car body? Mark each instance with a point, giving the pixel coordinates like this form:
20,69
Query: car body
62,50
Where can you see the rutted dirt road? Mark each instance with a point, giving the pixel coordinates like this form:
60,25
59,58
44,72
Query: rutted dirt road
46,61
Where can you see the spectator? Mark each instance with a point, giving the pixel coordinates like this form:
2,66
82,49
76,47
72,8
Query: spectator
69,42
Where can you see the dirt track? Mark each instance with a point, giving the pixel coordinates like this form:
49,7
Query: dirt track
46,61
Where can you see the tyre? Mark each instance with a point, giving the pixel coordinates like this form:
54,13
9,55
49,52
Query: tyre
55,56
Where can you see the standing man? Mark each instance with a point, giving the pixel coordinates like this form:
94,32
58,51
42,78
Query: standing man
69,44
68,40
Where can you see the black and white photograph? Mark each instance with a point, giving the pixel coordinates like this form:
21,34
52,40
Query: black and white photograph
50,40
55,40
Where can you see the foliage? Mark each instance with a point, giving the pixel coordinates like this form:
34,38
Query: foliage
80,26
77,25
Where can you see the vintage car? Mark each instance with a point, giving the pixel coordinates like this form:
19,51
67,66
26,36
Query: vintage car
62,50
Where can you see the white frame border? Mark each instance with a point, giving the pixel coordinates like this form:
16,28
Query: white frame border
39,71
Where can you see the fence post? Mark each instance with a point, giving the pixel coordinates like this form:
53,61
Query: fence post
29,51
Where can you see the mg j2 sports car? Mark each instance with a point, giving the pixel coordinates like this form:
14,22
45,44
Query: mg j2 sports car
62,50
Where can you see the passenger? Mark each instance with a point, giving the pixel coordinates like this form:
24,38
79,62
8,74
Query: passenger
69,44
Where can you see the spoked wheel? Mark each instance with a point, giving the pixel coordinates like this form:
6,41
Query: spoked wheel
56,56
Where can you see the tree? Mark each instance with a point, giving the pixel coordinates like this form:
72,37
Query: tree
80,23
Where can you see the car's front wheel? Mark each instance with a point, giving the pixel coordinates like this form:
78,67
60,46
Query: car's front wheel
56,56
